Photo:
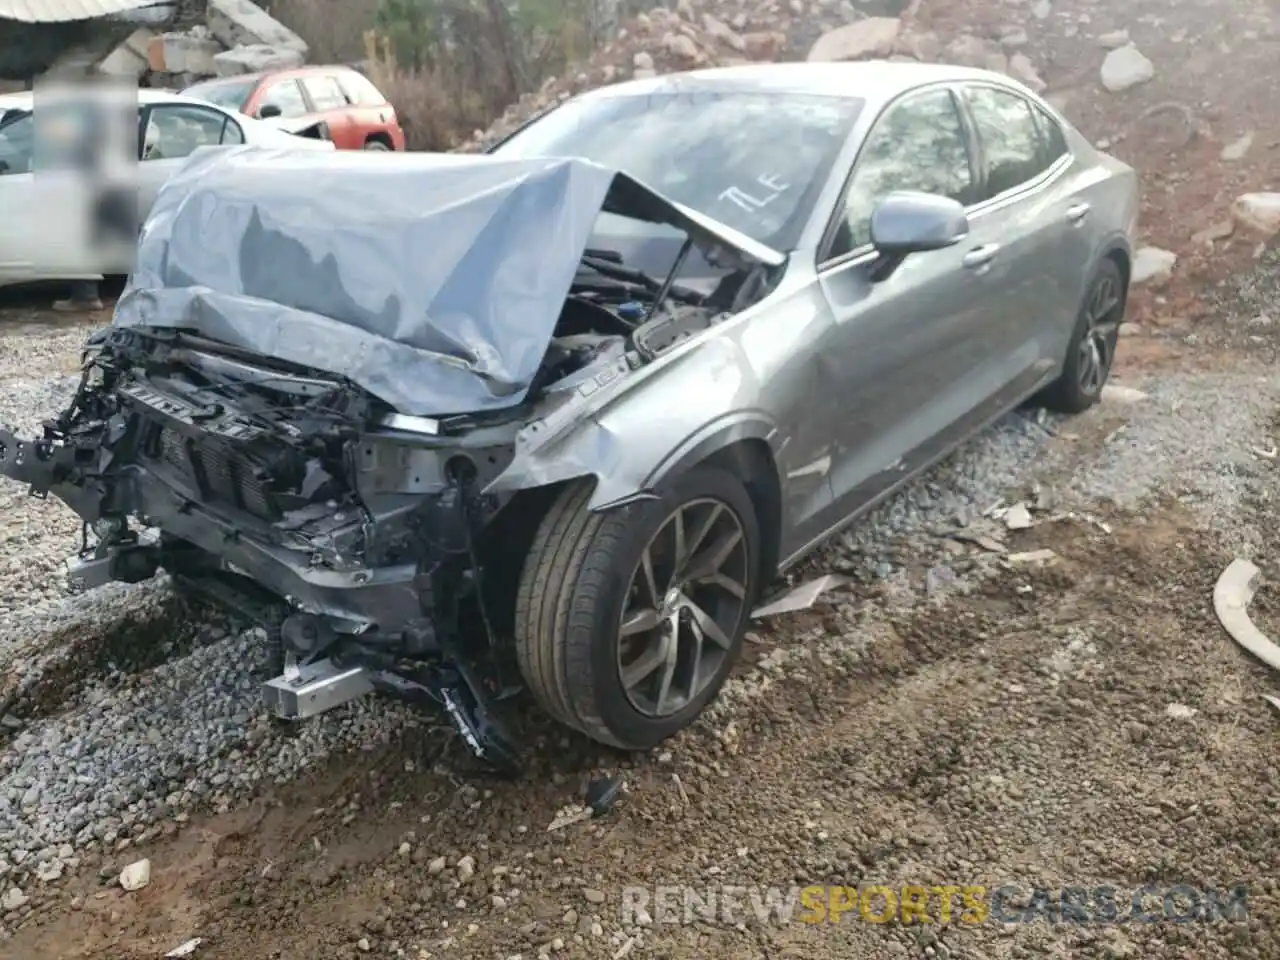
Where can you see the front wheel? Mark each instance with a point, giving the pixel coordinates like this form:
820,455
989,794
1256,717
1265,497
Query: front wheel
629,622
1092,349
375,145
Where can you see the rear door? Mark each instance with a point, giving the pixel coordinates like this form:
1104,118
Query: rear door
897,375
328,101
1027,210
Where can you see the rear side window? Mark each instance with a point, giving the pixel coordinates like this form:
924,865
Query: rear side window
360,90
1010,138
325,93
1055,141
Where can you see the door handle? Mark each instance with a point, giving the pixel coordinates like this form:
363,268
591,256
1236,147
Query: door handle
1077,212
981,256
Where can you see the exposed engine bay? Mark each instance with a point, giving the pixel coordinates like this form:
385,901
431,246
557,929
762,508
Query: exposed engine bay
355,533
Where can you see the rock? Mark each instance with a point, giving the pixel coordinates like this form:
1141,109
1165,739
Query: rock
49,872
1212,233
967,50
238,23
12,899
593,896
1115,39
1180,711
1041,9
256,58
1022,70
678,45
1015,39
406,849
1237,148
1258,212
1018,517
436,866
642,61
466,869
924,46
1151,264
722,32
1126,67
136,875
764,45
866,39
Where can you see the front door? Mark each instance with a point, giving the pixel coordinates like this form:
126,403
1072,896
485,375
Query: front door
905,342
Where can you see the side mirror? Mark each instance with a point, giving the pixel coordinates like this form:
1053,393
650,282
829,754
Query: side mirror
908,222
269,110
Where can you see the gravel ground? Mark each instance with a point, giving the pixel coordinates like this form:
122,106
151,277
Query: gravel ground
948,717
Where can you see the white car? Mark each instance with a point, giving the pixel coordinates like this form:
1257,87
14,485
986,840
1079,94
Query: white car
44,232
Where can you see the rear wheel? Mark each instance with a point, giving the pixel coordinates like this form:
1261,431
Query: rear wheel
629,622
375,145
1093,344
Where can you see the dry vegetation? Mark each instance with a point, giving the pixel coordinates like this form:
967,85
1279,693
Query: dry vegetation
455,69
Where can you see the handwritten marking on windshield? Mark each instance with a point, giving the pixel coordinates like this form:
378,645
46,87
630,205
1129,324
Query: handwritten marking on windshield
750,202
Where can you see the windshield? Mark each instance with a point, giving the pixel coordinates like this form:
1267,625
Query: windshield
228,94
752,161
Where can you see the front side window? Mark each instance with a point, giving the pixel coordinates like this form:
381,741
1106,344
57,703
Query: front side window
178,130
1011,145
918,144
753,161
287,95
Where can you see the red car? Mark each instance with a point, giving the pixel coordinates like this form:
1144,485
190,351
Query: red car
354,113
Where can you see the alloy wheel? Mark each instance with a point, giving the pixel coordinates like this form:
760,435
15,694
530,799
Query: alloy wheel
684,606
1097,347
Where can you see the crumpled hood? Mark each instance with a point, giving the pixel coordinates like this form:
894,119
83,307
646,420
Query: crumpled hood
434,281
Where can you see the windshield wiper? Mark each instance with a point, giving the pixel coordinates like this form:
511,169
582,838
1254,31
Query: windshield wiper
608,263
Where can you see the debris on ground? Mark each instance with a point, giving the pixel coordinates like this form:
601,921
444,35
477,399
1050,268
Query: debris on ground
1231,598
1031,556
1115,393
185,949
1018,517
800,598
603,794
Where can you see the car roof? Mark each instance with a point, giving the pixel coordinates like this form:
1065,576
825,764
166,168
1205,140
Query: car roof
310,70
870,80
25,99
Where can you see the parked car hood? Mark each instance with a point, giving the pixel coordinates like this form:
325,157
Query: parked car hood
434,281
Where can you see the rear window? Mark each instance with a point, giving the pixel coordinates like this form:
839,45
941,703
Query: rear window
228,94
360,90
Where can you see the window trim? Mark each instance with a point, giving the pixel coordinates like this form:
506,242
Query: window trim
1021,190
822,259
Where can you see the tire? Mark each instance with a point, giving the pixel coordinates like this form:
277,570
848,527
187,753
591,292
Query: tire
375,145
1097,330
584,571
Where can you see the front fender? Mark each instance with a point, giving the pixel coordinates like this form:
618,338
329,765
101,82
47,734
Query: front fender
649,424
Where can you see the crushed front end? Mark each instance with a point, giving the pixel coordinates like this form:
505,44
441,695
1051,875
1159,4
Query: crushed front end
293,497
